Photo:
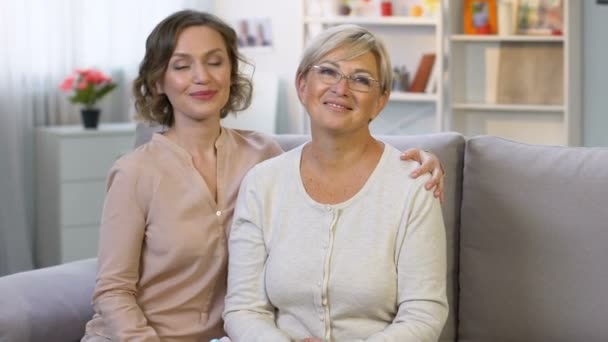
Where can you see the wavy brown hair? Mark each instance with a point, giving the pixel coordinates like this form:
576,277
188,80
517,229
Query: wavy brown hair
160,44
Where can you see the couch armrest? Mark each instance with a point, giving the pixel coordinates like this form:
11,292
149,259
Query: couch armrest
47,304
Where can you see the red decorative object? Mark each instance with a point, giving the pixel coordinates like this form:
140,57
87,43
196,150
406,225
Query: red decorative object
386,8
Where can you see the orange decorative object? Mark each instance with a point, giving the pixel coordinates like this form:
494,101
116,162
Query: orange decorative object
480,17
416,11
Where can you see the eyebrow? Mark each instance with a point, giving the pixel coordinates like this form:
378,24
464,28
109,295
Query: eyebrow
186,55
360,70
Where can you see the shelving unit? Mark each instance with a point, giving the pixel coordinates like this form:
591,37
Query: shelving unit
460,103
407,39
413,97
379,21
467,110
508,38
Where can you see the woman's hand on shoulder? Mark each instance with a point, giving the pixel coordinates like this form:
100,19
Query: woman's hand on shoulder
428,163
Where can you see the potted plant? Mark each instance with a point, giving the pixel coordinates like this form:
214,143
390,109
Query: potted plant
87,86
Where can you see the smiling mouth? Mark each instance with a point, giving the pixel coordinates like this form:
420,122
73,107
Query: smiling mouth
204,95
337,106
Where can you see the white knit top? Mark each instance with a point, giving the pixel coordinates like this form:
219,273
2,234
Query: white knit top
372,268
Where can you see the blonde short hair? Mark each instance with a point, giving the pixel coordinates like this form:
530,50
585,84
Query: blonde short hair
358,40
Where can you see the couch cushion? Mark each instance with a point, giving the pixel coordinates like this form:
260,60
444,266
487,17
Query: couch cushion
144,132
534,237
49,304
449,147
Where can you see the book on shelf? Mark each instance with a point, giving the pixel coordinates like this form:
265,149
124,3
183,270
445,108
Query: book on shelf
537,17
431,84
492,60
423,73
530,74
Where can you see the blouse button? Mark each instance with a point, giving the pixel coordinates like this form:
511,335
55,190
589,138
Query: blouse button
218,213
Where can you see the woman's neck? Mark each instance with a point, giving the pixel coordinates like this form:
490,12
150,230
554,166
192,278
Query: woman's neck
197,139
334,168
337,152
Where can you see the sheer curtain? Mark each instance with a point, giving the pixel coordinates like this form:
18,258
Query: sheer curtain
42,42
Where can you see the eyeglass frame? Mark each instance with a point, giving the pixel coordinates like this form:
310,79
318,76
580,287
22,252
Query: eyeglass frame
349,79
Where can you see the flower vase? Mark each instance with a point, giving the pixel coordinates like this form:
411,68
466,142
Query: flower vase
90,117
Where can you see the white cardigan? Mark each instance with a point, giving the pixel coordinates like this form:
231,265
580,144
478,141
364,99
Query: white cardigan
372,268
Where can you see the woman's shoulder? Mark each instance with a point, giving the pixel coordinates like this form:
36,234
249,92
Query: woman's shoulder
254,142
400,170
141,158
275,171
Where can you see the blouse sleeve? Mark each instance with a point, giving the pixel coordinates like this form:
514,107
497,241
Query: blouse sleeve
248,314
120,243
421,272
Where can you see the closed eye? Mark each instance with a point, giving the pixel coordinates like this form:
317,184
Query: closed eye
215,60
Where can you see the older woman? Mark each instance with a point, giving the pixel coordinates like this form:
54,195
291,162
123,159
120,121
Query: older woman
332,241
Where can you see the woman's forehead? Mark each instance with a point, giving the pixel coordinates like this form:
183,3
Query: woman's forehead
343,55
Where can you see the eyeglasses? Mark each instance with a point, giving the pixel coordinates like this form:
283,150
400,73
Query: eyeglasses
332,76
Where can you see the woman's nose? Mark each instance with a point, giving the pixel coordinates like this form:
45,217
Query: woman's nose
341,87
200,74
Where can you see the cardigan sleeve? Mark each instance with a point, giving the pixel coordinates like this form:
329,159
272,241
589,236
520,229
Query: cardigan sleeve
421,273
248,314
121,237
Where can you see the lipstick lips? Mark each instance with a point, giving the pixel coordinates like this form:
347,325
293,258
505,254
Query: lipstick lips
203,94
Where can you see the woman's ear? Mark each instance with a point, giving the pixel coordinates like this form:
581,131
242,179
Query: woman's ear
382,101
301,87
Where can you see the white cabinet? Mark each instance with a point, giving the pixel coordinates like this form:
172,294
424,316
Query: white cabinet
71,165
407,38
472,107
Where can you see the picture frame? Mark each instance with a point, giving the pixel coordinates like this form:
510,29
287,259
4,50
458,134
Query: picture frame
479,17
539,17
254,33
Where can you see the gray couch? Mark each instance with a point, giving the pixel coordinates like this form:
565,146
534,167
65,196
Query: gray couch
527,230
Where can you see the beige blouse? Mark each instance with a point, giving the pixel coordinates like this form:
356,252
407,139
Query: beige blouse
162,259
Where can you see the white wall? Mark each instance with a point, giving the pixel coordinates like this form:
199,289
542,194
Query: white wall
595,74
282,58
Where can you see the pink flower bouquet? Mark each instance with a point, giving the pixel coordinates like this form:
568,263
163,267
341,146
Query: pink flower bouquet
87,86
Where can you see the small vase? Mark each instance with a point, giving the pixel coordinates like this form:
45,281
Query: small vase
90,117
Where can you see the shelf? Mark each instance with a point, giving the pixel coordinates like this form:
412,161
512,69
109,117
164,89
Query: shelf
508,108
512,38
400,96
385,21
